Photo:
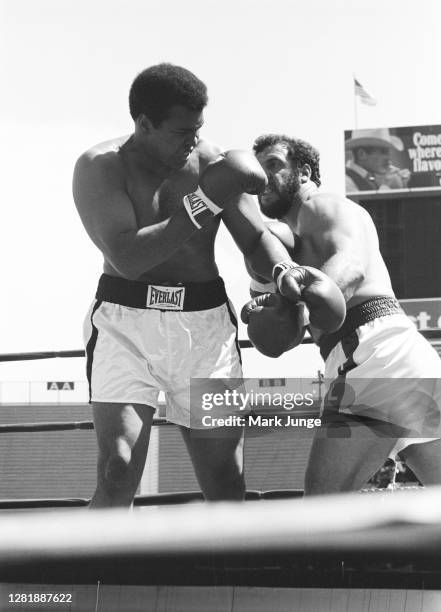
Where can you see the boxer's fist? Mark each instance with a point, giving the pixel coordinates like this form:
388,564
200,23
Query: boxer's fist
325,301
228,176
232,173
275,325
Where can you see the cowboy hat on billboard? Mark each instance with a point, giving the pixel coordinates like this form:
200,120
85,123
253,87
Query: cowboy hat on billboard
378,137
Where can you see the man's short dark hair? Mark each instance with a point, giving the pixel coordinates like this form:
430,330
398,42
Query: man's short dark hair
156,89
299,152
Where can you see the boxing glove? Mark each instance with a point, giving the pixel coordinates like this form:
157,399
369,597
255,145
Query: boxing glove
325,301
275,325
231,174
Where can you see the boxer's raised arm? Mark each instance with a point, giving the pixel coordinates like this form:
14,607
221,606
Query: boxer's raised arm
284,233
261,249
108,216
259,284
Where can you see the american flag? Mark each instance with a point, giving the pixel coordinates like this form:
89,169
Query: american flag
364,96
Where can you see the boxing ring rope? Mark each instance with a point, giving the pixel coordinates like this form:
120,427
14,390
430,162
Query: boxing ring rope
430,334
78,353
60,426
47,426
157,499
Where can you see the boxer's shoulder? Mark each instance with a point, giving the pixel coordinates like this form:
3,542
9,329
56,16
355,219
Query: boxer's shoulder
102,159
324,207
325,201
107,150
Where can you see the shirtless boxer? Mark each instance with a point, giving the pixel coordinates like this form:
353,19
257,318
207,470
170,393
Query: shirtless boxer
152,202
377,353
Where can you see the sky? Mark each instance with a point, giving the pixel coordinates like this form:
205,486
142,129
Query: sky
270,66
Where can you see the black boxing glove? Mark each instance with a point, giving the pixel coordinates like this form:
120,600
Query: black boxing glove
231,174
325,301
275,325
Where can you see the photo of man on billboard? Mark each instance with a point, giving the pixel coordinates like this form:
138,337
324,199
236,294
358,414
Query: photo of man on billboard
393,159
373,159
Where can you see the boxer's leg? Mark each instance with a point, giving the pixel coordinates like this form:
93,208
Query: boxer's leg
424,459
344,458
207,361
217,457
360,424
123,432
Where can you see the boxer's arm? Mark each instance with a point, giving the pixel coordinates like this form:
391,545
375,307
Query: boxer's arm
260,285
108,216
336,238
261,249
283,232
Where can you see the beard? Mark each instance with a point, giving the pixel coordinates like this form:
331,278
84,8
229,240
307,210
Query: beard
277,203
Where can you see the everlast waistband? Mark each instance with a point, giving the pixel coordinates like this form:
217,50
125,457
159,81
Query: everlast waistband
184,297
357,316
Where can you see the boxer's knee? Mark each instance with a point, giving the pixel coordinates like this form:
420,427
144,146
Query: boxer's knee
116,470
217,457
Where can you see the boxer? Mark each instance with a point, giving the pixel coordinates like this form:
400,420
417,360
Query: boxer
384,378
152,203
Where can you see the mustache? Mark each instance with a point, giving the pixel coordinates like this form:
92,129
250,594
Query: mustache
271,184
276,209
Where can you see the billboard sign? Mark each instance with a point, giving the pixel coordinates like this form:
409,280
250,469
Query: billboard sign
425,313
60,385
391,159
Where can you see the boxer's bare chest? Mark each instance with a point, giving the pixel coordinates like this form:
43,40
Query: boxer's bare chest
306,252
155,199
308,246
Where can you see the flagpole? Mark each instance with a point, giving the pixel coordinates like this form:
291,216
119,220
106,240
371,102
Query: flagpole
355,102
365,97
